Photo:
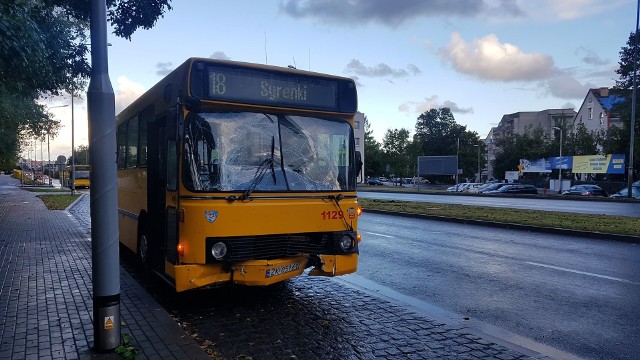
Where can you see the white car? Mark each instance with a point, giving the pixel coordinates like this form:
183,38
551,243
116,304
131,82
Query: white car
472,187
458,188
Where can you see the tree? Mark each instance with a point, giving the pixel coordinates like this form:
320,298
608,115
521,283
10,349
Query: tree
531,145
82,156
628,64
373,155
582,141
44,52
396,145
437,133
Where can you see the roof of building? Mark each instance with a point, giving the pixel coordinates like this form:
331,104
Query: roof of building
606,100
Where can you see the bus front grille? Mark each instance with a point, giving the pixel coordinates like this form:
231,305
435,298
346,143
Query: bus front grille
268,247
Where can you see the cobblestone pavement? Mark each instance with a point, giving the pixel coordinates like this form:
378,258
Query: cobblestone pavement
46,306
315,318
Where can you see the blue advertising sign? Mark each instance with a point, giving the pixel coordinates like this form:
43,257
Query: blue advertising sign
566,162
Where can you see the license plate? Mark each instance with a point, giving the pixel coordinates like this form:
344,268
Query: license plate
283,270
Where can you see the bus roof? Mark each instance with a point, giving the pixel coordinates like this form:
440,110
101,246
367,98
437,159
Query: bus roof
249,84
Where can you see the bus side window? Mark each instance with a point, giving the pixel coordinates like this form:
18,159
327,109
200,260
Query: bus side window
172,166
122,144
142,143
132,143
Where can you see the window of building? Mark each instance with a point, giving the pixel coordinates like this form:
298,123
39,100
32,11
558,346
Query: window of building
590,113
357,141
601,118
356,124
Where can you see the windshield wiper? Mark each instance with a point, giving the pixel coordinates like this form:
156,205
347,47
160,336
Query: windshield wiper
267,164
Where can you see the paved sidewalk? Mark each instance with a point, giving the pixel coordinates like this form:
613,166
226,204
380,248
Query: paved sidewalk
46,289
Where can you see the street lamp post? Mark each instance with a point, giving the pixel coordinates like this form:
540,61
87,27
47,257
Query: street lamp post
478,178
72,178
457,160
559,160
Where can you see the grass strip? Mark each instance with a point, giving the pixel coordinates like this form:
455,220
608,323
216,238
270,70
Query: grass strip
572,221
47,190
58,202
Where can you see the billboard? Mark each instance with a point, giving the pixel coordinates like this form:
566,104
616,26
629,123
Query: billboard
437,165
585,164
599,164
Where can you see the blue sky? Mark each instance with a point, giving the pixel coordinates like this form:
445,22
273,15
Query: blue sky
481,58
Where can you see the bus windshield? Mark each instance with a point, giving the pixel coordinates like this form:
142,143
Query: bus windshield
247,151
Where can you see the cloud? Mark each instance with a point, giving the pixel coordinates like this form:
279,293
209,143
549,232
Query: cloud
574,9
565,86
432,103
164,68
489,59
394,13
590,57
128,91
219,55
380,70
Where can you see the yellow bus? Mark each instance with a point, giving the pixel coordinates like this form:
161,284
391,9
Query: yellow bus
81,177
237,173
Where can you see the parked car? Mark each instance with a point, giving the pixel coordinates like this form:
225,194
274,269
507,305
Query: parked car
635,193
514,189
382,178
585,190
458,187
472,187
374,181
491,187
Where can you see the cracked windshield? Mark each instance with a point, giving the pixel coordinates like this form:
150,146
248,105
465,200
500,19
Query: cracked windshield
266,152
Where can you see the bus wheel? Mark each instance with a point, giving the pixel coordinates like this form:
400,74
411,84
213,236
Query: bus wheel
143,251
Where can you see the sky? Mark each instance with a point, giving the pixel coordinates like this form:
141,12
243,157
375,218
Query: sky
481,58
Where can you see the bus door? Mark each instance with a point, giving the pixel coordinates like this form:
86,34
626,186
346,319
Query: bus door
157,189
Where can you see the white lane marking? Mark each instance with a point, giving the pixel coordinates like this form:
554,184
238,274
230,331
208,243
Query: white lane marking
584,273
376,234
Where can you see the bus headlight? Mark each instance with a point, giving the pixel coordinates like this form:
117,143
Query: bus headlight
219,250
346,243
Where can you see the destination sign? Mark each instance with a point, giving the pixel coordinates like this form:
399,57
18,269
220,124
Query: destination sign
273,88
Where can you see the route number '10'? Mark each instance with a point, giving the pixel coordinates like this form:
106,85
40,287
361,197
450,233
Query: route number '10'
332,215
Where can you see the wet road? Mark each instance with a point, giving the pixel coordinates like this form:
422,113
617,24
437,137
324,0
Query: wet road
562,205
579,295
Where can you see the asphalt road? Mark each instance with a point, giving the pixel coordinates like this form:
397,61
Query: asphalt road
562,205
575,294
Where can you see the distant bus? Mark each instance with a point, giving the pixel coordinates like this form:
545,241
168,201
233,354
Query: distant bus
236,173
81,176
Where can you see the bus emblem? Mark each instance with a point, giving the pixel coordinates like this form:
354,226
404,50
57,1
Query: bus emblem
211,216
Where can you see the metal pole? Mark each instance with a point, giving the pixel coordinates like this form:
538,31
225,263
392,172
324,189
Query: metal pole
104,197
457,160
559,160
560,167
479,175
633,106
72,178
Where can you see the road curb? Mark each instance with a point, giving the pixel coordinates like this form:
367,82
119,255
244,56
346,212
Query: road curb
76,201
550,230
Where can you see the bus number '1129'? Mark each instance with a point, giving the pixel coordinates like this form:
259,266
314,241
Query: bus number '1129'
332,215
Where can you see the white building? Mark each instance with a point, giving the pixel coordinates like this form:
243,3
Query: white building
358,134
